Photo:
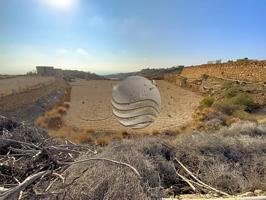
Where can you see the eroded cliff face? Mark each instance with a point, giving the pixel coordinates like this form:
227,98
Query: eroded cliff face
241,70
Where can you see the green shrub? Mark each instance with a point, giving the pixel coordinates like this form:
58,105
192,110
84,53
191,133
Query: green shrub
207,101
226,107
242,99
230,92
241,114
227,84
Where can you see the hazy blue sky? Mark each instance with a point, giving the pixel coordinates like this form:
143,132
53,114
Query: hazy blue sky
126,35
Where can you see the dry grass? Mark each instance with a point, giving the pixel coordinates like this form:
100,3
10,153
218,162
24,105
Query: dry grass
102,141
232,160
52,119
72,135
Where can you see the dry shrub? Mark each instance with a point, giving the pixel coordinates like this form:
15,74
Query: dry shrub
50,121
90,130
102,180
82,138
234,155
227,107
240,114
125,134
61,110
102,141
66,105
116,136
232,160
155,133
73,135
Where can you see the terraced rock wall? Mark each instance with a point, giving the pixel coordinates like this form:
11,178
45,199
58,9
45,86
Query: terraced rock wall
241,70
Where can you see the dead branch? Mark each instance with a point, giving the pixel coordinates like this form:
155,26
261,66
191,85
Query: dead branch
24,151
186,180
78,146
199,181
63,149
2,189
20,142
29,180
107,160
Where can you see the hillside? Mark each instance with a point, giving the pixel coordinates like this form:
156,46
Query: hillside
71,74
152,73
245,70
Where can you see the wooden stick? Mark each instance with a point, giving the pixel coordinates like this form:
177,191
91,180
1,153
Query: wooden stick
204,184
187,181
20,142
29,180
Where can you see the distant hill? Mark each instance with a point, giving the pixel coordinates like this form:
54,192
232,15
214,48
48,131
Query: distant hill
71,74
151,73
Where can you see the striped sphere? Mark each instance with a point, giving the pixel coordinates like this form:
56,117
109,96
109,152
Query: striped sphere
136,102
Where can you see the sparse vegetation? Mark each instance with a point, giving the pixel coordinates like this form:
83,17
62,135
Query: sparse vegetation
227,156
224,108
207,101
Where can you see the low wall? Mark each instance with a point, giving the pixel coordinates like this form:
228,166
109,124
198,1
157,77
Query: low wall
27,97
241,70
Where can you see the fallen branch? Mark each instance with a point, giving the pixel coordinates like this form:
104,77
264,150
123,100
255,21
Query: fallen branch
29,180
20,142
2,189
199,181
186,180
107,160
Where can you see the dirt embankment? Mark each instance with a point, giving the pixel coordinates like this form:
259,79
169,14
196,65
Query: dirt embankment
31,103
240,70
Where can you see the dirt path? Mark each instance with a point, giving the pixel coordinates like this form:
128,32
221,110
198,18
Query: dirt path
90,107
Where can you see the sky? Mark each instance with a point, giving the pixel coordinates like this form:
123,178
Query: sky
109,36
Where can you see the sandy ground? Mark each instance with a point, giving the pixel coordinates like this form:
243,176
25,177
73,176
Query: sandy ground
22,83
90,107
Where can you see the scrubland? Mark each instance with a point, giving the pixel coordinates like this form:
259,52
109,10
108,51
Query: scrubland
211,146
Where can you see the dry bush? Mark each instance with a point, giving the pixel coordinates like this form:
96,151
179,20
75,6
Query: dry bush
102,141
90,130
227,107
74,135
100,180
116,136
155,133
240,114
125,134
234,155
232,160
61,110
50,121
66,105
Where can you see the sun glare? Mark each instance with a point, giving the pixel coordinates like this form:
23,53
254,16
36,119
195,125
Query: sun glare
62,4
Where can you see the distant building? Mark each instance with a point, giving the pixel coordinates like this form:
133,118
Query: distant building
215,62
45,71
